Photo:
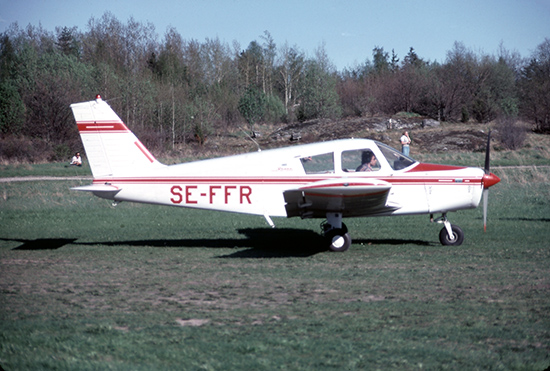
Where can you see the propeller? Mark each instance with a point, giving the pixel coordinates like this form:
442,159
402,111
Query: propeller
489,180
485,205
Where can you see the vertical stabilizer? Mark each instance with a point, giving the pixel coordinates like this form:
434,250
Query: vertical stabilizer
111,148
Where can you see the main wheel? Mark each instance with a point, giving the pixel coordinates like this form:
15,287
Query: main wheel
457,233
339,240
327,227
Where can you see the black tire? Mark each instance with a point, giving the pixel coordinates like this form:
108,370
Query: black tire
344,228
327,227
338,239
458,234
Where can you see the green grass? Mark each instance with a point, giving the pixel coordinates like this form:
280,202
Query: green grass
84,285
524,157
60,169
533,153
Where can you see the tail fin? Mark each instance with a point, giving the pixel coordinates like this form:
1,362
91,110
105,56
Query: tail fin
111,148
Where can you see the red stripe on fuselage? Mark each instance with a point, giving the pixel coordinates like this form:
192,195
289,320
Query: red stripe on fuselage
434,167
343,196
343,184
287,180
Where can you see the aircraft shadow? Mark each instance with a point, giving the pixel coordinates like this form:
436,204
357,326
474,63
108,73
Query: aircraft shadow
259,243
42,243
280,243
394,242
546,220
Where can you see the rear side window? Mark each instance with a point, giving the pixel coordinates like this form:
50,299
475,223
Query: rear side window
320,164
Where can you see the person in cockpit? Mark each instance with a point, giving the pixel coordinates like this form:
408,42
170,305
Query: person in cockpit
368,161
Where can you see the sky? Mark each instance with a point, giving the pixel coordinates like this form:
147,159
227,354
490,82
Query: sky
347,30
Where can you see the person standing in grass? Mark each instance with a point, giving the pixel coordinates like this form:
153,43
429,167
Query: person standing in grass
405,143
77,160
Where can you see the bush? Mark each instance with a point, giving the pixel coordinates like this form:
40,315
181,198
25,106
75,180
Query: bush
274,110
510,133
61,152
465,115
21,149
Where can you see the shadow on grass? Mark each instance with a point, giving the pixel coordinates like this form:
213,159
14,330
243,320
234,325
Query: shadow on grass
43,243
546,220
259,243
275,243
394,242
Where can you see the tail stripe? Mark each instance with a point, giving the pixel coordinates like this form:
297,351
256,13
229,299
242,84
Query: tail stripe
102,127
145,151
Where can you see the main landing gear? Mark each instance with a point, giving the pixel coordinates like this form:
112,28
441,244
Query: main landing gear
338,238
450,235
336,233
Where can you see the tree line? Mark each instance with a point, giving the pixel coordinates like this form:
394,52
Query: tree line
174,90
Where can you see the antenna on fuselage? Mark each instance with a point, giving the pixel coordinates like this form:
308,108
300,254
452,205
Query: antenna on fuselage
252,139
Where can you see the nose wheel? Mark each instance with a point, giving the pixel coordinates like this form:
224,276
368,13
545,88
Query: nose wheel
450,235
457,236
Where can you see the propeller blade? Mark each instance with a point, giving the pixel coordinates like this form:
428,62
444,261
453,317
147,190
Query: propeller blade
488,154
489,180
485,205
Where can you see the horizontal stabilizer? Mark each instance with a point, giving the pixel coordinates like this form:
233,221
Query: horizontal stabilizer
100,190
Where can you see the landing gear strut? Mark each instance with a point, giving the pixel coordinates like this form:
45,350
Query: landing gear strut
336,233
450,235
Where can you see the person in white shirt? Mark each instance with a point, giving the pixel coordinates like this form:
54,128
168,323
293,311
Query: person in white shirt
405,142
77,160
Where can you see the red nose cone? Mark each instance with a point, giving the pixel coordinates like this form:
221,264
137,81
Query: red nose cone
490,180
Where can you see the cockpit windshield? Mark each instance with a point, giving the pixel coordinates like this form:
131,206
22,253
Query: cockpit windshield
396,159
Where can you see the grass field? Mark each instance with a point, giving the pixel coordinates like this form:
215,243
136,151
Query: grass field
84,285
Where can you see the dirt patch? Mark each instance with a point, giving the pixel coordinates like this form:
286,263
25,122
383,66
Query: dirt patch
192,322
436,141
428,135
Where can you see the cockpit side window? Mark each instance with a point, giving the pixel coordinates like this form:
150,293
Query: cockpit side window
320,164
359,160
396,159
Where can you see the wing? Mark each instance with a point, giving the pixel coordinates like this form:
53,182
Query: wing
349,196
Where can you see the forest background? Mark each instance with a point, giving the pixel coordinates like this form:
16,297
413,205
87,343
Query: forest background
175,92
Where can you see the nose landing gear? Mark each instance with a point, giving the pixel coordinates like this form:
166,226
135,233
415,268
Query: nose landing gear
450,235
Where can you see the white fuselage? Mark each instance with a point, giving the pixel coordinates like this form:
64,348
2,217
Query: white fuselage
254,183
332,180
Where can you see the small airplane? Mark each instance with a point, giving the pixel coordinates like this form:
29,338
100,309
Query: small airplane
329,180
